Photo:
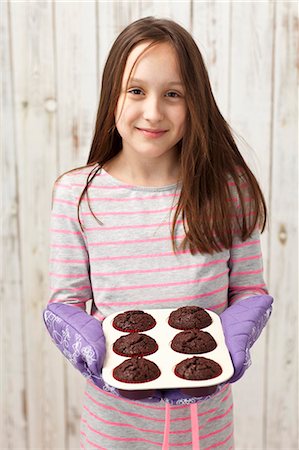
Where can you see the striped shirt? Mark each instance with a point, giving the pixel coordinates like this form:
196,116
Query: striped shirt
127,262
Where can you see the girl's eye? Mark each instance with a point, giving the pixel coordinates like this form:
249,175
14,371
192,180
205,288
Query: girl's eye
135,91
172,94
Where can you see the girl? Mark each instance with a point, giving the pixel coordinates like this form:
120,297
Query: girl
165,214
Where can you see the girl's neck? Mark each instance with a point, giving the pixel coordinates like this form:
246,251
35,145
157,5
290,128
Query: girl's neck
143,173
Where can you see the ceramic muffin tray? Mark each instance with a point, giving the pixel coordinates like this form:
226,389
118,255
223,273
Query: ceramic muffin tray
166,358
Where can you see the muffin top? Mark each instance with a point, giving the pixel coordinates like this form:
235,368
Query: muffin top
193,341
197,368
134,321
135,344
189,317
136,370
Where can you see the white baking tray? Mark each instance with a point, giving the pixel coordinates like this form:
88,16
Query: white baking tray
166,358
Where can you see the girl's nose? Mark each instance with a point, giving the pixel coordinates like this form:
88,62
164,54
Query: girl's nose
153,111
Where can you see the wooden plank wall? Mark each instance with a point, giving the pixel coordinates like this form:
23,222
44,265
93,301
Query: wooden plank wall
52,59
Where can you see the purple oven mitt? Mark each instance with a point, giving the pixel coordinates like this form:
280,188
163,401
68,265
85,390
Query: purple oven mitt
80,338
242,324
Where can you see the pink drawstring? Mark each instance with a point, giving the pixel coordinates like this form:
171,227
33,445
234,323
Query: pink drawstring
194,426
167,427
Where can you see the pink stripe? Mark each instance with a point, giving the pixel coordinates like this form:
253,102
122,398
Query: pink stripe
103,186
217,431
228,395
119,411
65,231
66,202
134,241
174,299
120,424
246,244
246,288
64,186
129,227
78,171
194,426
60,275
182,444
247,294
237,199
165,445
81,288
246,258
247,272
221,415
126,413
160,408
69,261
115,438
220,443
91,443
68,246
98,316
152,286
93,186
166,269
154,255
64,216
126,199
122,213
68,300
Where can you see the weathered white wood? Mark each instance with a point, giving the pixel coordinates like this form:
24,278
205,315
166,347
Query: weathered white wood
35,124
76,68
281,415
112,18
13,381
180,11
211,31
158,9
250,116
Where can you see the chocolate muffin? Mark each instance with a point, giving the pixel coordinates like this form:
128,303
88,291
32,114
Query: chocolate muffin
136,370
134,321
197,368
135,344
189,317
193,341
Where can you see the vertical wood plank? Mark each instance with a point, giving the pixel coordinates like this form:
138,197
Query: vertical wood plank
76,69
35,103
13,378
250,117
211,30
281,421
112,18
77,91
180,11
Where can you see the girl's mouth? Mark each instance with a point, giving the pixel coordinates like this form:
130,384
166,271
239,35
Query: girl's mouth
151,133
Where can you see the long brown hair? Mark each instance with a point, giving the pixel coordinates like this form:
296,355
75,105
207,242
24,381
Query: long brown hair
212,169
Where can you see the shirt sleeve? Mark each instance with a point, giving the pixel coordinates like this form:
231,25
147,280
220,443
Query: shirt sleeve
68,261
246,269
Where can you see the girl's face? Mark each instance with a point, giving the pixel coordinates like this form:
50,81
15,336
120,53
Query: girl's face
151,112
